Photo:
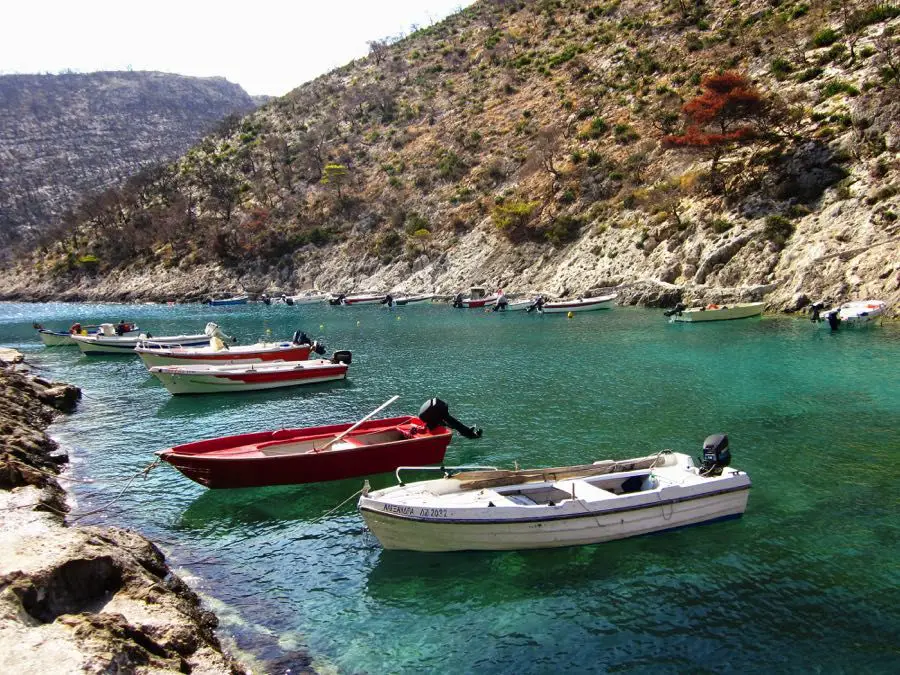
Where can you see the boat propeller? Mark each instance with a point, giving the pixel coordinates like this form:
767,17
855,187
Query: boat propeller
435,412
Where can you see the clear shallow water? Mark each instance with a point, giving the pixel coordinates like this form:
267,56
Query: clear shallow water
807,580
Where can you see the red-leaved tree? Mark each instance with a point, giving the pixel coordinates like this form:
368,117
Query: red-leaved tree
728,113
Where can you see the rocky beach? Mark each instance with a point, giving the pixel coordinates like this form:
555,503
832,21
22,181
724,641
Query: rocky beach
79,598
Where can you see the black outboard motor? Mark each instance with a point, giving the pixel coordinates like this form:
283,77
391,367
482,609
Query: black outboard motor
289,301
834,321
716,455
342,356
458,300
537,306
300,338
677,309
318,348
816,308
388,300
337,300
266,299
434,412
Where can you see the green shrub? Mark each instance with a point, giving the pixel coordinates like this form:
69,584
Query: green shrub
564,229
809,74
720,225
836,87
780,67
566,54
778,230
825,37
512,214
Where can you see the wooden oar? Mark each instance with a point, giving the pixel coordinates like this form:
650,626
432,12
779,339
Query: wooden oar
344,433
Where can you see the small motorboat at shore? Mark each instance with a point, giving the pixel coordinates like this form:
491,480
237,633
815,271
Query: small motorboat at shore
239,377
107,342
227,302
564,506
313,454
477,298
306,299
576,305
55,338
714,312
361,299
410,299
858,313
218,353
504,304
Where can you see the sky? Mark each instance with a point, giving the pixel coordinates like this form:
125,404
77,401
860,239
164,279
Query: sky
267,47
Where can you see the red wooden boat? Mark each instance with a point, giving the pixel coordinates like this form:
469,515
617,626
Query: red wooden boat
314,454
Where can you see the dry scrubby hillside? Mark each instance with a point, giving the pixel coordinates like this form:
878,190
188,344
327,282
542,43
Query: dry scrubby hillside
62,136
522,143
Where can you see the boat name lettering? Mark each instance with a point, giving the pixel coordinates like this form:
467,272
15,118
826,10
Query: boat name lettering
400,510
433,513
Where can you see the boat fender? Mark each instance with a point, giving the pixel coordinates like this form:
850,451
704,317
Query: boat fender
716,455
342,356
435,412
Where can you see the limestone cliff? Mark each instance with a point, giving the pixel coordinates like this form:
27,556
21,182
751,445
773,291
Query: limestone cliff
62,136
524,144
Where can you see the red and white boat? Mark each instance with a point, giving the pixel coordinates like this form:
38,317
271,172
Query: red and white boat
206,379
577,305
333,452
364,299
477,299
218,353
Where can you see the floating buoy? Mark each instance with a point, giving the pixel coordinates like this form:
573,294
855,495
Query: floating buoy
357,324
321,326
268,331
570,315
398,318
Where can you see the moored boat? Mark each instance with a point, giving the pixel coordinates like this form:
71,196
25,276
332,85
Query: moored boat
226,302
361,299
412,299
714,312
107,342
218,353
313,454
562,506
55,338
477,298
857,313
506,305
307,299
576,305
239,377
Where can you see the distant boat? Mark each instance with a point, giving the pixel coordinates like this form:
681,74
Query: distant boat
577,305
225,302
561,506
477,298
858,313
714,312
55,338
313,454
107,342
208,379
360,299
306,299
503,305
412,299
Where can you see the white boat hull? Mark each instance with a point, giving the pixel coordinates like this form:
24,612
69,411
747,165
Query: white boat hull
309,299
126,345
396,533
516,306
580,305
564,506
225,379
51,339
864,313
724,313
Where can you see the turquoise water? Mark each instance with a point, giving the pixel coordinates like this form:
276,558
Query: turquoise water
807,581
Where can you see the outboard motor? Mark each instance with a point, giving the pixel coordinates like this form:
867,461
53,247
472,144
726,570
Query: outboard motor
337,300
318,348
833,318
716,455
458,300
289,301
300,338
538,305
434,412
388,300
677,309
343,356
815,309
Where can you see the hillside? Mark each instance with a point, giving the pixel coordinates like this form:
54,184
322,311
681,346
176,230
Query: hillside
542,146
62,136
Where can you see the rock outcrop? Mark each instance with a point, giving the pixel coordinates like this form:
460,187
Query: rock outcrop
82,599
62,136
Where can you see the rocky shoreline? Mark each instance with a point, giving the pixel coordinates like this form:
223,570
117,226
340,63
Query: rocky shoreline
80,598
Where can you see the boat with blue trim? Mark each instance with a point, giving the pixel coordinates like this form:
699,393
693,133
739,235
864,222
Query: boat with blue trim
493,509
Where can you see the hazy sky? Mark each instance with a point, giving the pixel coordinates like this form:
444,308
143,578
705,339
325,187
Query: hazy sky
267,47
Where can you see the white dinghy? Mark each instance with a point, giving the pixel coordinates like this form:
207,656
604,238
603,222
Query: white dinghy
713,312
107,342
564,506
857,313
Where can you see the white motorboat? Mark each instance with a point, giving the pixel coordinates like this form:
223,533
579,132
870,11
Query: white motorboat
243,377
477,298
217,353
306,299
577,305
714,312
412,299
857,313
107,342
564,506
513,305
361,299
58,338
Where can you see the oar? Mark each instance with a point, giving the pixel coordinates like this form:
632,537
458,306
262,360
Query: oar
344,433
